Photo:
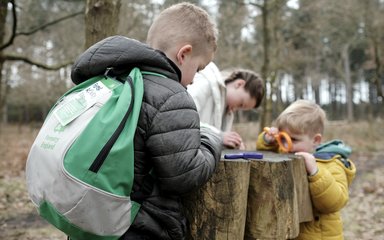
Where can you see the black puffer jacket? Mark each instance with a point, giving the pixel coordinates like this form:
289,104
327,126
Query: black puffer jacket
168,139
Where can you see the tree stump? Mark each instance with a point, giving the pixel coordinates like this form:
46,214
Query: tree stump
218,209
278,197
251,199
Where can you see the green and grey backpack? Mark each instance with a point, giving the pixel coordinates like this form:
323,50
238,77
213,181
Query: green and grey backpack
80,167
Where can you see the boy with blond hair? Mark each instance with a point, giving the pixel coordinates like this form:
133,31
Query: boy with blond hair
330,172
172,154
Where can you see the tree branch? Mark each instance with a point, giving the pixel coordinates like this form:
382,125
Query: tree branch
14,27
10,57
254,4
49,24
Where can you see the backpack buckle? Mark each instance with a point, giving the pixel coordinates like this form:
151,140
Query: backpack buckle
106,73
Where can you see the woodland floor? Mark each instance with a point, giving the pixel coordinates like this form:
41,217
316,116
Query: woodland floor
363,216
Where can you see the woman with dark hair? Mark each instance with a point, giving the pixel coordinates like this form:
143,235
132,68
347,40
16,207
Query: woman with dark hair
217,97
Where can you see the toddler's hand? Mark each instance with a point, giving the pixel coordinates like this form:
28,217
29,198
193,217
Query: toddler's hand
310,163
269,134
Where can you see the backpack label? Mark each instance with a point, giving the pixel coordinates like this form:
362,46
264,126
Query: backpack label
82,101
49,142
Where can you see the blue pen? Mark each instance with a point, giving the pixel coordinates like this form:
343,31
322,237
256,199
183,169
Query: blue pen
245,155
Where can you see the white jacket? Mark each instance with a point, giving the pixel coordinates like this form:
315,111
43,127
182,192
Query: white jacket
208,90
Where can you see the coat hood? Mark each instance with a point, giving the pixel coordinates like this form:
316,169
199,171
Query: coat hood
335,147
121,54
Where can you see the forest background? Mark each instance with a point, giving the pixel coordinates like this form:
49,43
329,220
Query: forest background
327,51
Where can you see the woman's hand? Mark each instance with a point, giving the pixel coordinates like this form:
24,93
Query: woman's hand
233,140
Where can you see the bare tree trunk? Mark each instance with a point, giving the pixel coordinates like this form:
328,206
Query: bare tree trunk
332,94
101,20
266,117
3,15
348,83
3,91
5,114
379,69
374,37
279,99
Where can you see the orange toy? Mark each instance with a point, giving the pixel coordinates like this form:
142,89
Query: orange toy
283,139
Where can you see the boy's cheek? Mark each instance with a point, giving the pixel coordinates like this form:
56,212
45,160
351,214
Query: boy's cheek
294,148
298,148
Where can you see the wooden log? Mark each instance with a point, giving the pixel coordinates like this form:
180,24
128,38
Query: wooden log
278,197
218,209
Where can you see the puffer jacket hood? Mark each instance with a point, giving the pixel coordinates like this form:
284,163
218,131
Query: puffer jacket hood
121,54
336,147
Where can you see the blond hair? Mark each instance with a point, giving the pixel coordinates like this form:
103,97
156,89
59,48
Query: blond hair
302,117
183,23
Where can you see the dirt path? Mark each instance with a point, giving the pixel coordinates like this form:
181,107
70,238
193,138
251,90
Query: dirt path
363,215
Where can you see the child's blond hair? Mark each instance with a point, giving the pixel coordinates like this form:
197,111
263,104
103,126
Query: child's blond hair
302,117
180,24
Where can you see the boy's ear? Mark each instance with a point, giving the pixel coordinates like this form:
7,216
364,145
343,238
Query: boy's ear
317,139
183,52
240,83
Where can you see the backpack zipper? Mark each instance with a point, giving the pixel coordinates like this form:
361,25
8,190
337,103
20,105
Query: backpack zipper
98,162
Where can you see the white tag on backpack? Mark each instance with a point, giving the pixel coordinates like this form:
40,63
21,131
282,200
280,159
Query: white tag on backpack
77,103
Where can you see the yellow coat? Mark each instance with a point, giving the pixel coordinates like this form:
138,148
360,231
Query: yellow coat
329,194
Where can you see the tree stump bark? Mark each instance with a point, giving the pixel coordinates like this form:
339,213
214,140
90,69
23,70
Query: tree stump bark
302,190
251,199
218,209
278,197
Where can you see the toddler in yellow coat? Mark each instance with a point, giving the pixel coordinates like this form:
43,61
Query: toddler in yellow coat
330,172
